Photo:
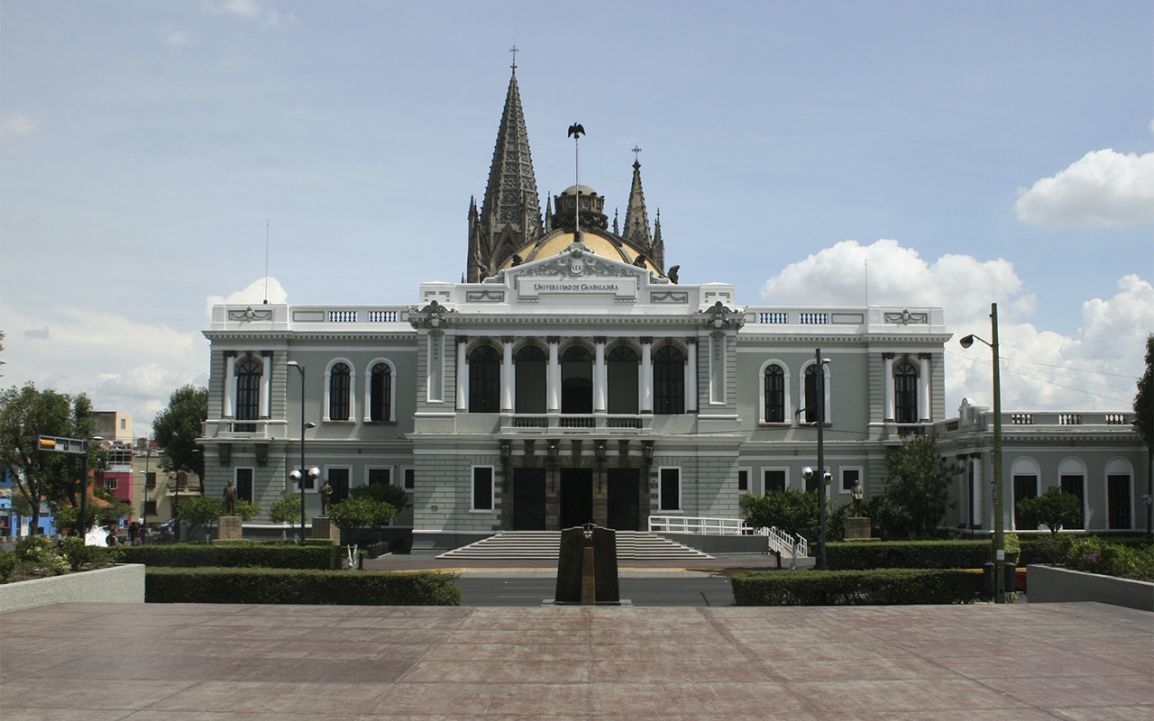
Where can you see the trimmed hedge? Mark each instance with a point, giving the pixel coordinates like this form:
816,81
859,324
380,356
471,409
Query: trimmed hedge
324,556
865,555
892,586
279,586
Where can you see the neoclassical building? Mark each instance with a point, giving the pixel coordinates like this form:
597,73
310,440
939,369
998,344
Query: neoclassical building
571,377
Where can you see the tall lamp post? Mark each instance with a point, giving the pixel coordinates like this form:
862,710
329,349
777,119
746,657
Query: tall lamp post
299,474
999,488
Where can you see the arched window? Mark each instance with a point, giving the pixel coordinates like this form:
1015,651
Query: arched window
816,395
484,380
530,363
248,376
621,364
340,388
906,393
577,380
381,393
668,380
774,394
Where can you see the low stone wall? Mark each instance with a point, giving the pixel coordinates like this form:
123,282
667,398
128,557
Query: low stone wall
1049,584
117,584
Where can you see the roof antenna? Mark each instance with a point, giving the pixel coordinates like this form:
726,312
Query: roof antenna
266,224
576,130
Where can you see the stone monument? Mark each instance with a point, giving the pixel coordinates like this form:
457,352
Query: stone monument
587,566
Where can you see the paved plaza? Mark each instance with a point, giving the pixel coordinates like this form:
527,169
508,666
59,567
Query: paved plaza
161,662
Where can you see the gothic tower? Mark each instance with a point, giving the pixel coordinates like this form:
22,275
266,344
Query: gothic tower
510,212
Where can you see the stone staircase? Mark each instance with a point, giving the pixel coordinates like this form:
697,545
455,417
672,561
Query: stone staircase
543,545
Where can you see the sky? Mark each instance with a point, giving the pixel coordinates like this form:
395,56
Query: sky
157,156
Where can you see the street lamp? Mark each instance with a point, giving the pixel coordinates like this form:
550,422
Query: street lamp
998,490
299,474
819,381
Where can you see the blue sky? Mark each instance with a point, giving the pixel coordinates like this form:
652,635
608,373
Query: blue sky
970,152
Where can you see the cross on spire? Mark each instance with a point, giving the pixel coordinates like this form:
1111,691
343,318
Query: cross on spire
514,51
636,150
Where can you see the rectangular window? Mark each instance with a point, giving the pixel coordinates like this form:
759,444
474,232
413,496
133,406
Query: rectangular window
850,477
150,508
670,489
339,481
743,480
774,480
410,479
1118,502
379,475
1024,487
110,482
244,484
482,488
150,479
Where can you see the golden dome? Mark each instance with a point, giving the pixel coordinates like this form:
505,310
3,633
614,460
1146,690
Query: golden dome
598,242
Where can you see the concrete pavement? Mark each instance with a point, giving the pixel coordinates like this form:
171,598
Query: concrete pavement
323,663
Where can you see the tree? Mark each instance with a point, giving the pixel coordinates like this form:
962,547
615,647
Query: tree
286,510
382,492
1053,509
27,413
917,491
179,425
354,515
200,511
1144,424
791,510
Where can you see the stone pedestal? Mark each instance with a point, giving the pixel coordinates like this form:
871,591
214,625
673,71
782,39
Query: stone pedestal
857,527
229,528
324,528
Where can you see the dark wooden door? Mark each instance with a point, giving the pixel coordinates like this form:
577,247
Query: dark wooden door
576,496
528,499
624,499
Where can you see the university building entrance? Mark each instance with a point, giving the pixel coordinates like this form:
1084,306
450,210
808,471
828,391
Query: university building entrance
556,498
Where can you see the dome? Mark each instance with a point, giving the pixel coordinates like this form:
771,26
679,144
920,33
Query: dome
601,244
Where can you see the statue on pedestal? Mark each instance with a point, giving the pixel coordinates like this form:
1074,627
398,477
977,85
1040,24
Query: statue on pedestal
326,498
858,493
230,499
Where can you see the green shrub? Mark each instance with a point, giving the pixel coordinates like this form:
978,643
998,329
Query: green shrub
865,555
280,586
850,588
321,556
40,558
8,564
1093,555
81,557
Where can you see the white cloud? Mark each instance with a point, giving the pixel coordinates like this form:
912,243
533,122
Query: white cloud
1103,189
177,39
248,10
1095,368
252,294
17,125
119,363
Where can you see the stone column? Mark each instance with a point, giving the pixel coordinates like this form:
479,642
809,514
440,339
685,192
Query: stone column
979,488
600,375
507,375
230,385
691,376
553,377
888,377
924,387
462,374
646,385
266,385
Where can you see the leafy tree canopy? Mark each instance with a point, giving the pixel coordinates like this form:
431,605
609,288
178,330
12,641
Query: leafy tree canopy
179,425
791,510
25,414
917,490
1144,399
395,496
1054,509
287,509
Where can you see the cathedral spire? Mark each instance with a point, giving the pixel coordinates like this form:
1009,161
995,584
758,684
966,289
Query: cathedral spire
636,228
658,249
511,202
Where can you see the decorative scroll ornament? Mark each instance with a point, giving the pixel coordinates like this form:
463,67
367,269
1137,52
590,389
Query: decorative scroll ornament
433,316
248,315
719,317
906,317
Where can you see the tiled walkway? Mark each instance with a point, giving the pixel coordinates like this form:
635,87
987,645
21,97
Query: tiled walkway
322,663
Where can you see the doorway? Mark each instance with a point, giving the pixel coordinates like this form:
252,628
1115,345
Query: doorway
624,499
576,496
528,499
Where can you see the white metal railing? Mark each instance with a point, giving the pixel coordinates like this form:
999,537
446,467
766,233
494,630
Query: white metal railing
698,525
783,543
569,422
